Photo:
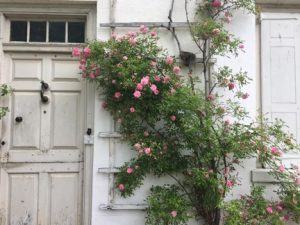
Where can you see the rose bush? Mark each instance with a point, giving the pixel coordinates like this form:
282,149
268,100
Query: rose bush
197,137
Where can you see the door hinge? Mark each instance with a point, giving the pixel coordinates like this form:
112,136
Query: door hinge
4,157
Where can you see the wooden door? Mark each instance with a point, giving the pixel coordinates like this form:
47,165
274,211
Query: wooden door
42,151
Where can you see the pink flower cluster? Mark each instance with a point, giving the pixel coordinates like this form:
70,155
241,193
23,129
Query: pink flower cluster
145,81
94,70
141,149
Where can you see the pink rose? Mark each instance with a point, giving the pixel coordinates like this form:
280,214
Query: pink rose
153,87
269,210
76,52
130,170
166,78
211,97
132,33
276,151
216,3
137,146
157,78
245,96
281,168
169,60
121,187
97,72
173,118
92,76
177,70
113,81
87,51
153,34
241,46
298,181
137,94
132,109
125,57
173,213
145,80
147,151
144,29
279,208
229,183
82,61
139,86
146,133
156,92
132,41
117,94
231,85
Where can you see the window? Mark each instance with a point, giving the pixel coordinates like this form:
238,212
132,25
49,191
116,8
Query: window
18,30
50,31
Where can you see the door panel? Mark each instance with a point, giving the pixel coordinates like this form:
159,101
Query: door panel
65,70
27,69
24,189
51,195
26,134
64,198
66,120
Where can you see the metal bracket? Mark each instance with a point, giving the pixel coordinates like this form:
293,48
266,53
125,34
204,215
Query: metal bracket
88,139
123,206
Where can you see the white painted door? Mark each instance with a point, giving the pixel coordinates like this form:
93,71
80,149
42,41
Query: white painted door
280,51
42,142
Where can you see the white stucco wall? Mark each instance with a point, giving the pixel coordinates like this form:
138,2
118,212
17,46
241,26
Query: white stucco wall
243,25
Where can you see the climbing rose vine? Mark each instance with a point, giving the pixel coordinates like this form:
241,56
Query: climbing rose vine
197,137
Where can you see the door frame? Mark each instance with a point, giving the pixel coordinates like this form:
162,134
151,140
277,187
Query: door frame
88,9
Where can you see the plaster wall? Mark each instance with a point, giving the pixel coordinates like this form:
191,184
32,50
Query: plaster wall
243,25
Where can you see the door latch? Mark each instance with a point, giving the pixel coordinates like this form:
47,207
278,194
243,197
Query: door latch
19,119
89,131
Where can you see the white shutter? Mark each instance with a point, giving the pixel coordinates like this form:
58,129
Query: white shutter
280,74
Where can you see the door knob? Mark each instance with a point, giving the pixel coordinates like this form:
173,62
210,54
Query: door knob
19,119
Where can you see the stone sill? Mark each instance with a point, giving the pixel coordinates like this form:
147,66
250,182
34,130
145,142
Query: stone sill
262,176
39,47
